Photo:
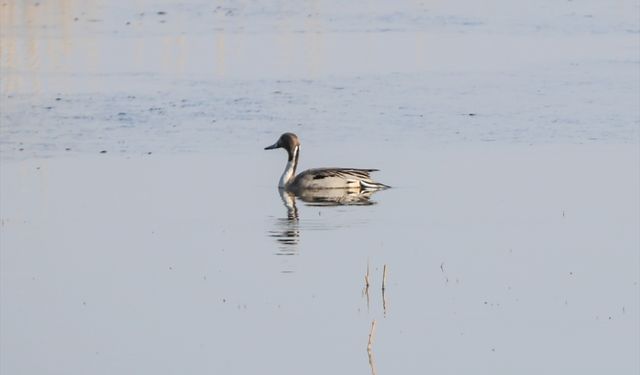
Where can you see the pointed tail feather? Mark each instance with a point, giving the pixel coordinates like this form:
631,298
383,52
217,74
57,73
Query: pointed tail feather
373,185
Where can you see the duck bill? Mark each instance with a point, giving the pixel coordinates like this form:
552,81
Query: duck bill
273,146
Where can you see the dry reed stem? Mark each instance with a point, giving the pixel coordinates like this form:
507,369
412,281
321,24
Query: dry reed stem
372,333
384,277
366,277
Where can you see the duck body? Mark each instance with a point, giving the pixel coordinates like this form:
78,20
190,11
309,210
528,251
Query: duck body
335,178
320,178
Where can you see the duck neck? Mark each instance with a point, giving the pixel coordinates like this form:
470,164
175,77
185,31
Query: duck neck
290,169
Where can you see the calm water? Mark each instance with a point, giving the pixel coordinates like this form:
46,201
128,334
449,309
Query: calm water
142,230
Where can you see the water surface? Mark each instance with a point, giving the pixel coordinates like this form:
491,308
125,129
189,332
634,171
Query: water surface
142,230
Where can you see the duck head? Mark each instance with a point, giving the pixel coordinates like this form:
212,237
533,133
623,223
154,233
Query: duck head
289,142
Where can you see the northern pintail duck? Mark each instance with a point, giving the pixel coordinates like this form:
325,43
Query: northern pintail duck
320,178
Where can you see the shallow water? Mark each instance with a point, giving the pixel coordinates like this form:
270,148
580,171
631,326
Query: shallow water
150,264
142,231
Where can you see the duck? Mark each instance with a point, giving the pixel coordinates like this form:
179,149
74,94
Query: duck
354,179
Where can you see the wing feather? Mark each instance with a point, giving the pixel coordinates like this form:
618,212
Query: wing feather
345,173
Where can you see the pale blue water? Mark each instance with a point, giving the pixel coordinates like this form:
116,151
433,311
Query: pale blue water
509,132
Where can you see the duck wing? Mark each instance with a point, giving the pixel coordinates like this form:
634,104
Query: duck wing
346,173
344,178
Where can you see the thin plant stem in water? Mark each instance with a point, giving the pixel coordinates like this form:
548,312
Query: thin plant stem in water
384,297
366,277
372,333
384,277
366,286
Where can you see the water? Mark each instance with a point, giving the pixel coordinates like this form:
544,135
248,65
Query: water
510,236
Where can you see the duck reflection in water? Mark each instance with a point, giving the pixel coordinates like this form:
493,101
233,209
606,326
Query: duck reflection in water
288,231
334,197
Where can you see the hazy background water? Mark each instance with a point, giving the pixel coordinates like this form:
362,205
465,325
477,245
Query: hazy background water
142,231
